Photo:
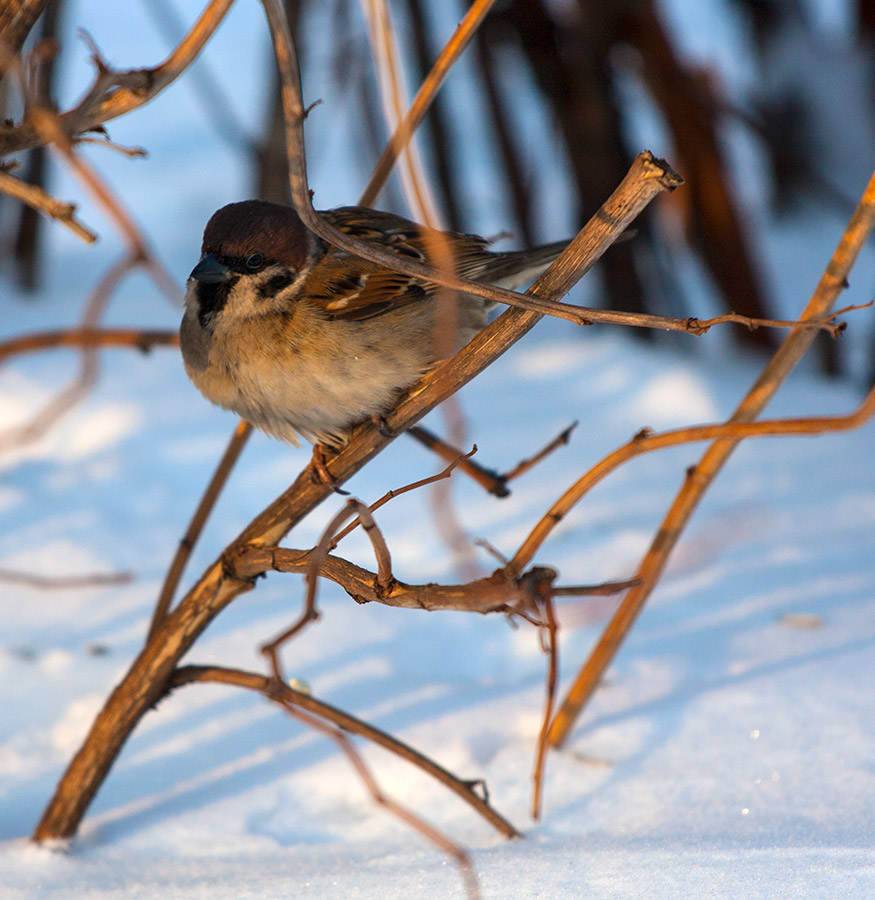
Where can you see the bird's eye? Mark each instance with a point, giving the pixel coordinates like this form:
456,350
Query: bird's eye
255,261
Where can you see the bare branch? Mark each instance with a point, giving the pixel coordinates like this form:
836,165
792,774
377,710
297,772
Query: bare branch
117,93
459,461
78,388
65,582
271,688
142,339
198,521
384,49
645,442
424,97
223,581
489,479
832,282
551,627
524,465
42,201
17,18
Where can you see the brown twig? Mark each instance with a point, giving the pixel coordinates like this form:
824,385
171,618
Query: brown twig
826,323
65,582
221,583
606,589
424,97
83,382
551,627
523,466
459,461
142,339
502,591
489,479
41,200
198,521
384,49
403,813
645,442
104,141
17,18
116,93
832,282
316,558
273,689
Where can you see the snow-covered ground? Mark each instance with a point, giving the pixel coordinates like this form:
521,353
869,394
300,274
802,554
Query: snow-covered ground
729,753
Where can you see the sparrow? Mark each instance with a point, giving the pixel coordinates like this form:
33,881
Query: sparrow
301,338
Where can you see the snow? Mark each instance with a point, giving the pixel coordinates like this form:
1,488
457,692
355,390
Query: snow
728,753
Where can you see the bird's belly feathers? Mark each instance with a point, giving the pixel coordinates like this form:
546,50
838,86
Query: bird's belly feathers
284,388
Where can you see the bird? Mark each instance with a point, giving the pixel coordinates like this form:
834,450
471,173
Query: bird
304,340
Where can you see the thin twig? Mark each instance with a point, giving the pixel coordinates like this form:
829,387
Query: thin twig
142,339
380,798
605,589
551,626
104,141
198,521
65,582
832,282
384,50
560,440
645,442
66,399
316,558
459,461
827,323
41,200
424,97
489,479
117,93
270,687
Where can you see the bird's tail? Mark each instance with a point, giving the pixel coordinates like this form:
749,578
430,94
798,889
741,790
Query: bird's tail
516,268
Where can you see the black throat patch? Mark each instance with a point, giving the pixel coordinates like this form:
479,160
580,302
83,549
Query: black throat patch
211,298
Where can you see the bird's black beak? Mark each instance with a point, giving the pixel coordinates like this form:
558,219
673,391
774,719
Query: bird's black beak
210,271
